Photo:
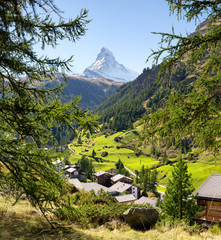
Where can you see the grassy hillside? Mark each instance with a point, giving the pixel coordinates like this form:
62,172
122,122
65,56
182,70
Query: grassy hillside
200,172
22,222
116,150
127,151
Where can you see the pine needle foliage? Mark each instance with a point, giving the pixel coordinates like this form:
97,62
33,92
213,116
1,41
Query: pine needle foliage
195,114
28,112
177,202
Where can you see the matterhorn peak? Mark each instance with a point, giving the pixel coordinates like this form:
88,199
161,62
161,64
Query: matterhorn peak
106,66
104,57
105,52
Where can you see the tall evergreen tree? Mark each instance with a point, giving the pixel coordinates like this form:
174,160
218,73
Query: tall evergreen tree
195,114
142,172
87,166
28,112
177,203
119,165
145,183
153,181
93,153
148,180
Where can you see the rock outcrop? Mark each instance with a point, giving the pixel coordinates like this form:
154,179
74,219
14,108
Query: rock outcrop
141,218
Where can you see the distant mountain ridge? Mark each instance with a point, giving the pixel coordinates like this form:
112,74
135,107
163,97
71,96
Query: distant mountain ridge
92,91
106,66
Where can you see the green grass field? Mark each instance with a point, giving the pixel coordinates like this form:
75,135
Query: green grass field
115,152
161,189
200,170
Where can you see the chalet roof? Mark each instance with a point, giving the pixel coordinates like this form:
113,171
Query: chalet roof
57,161
211,188
75,166
93,186
71,170
125,198
118,177
87,186
75,182
100,173
146,200
66,167
120,187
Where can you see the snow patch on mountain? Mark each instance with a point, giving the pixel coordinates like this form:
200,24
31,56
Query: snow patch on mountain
106,66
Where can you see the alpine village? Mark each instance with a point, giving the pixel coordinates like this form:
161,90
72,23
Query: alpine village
109,153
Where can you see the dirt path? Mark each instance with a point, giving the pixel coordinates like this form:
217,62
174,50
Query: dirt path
132,173
72,150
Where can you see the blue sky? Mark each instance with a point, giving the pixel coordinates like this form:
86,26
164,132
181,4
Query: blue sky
123,26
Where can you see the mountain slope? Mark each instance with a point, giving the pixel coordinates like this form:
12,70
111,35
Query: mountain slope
143,95
92,91
125,106
106,66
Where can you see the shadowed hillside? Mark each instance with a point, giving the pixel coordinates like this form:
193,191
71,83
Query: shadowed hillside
92,91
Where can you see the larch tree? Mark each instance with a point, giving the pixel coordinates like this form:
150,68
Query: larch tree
148,180
178,203
27,111
195,114
93,153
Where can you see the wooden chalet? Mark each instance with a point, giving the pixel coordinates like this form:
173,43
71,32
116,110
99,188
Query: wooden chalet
74,171
121,178
103,178
209,196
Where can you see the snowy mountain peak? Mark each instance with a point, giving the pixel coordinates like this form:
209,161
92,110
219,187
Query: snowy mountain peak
105,53
106,66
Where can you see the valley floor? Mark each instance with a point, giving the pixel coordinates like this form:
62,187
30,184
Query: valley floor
200,168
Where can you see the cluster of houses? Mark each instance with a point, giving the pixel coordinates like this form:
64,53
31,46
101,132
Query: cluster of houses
119,186
122,188
70,171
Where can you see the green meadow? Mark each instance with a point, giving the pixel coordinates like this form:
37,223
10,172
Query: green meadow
104,143
200,169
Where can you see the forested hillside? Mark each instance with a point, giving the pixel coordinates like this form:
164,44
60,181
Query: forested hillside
92,91
145,94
